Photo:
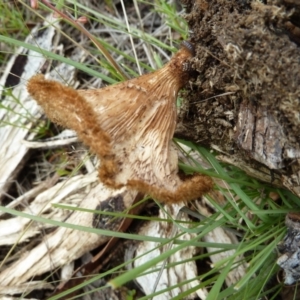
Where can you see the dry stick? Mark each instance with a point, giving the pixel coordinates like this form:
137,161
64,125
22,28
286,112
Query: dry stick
91,37
220,95
221,61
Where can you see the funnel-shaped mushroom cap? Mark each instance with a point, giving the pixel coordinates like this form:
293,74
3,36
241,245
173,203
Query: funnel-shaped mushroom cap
130,126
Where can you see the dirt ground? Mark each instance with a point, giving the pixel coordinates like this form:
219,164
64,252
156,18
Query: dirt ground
244,101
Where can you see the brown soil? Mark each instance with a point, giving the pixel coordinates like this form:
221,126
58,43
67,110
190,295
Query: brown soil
249,51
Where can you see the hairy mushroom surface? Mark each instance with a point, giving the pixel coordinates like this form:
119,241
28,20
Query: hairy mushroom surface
130,127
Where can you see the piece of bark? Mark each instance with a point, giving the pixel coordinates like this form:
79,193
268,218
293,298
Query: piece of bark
69,192
172,275
64,244
15,108
248,70
289,248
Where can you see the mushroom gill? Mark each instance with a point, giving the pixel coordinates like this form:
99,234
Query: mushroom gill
130,127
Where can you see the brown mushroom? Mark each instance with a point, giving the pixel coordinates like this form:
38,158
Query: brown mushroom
130,127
